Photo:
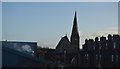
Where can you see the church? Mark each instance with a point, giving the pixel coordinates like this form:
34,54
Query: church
70,48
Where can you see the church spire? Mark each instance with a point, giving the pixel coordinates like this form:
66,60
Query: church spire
75,27
75,35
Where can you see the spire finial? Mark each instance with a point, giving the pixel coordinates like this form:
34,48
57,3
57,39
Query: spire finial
75,12
66,34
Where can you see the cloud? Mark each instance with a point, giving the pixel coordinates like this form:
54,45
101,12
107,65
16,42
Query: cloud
43,44
105,32
112,30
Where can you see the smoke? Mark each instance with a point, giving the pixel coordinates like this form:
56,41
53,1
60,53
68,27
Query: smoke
24,48
17,47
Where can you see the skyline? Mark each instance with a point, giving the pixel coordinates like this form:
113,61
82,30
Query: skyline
46,24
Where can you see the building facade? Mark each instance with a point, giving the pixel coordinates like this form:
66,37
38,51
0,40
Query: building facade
103,52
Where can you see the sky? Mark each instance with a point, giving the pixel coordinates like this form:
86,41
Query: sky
47,22
60,0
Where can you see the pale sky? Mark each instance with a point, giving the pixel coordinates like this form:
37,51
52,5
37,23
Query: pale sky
60,0
47,22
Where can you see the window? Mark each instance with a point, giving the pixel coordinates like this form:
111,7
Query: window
112,58
114,45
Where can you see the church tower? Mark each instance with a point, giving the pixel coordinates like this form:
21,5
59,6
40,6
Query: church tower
75,35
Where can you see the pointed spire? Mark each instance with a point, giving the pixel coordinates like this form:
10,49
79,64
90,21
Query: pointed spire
75,35
75,27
